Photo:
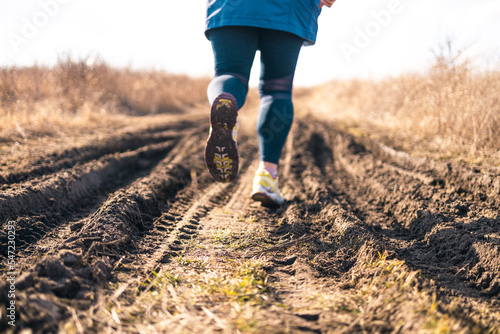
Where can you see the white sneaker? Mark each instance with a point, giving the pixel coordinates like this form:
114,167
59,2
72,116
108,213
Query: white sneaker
265,189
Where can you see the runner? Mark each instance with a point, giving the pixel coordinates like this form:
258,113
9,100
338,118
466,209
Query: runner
236,30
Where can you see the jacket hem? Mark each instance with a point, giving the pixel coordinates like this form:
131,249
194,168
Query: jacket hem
308,38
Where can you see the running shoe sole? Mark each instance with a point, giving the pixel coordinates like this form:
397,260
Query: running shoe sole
221,152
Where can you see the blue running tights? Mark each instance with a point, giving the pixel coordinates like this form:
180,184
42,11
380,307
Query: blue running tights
234,49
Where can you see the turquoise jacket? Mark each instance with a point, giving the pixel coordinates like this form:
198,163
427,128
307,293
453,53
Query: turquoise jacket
299,17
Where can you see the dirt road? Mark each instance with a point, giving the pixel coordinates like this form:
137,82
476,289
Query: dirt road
128,233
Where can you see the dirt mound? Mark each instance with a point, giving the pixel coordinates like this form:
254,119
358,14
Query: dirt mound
41,292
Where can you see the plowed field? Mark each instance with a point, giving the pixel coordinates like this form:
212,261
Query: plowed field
128,233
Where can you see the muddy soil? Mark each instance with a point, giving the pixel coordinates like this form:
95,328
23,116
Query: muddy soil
370,240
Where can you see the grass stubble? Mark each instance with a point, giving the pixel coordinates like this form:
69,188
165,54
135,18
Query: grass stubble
214,286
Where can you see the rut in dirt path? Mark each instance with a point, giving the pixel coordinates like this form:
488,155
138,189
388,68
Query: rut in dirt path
41,163
440,218
67,210
52,187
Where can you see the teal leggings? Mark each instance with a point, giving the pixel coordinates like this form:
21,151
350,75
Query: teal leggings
234,50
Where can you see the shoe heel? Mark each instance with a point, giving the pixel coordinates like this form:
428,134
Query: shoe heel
224,112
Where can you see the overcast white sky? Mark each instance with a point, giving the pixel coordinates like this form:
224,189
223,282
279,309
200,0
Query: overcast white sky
168,35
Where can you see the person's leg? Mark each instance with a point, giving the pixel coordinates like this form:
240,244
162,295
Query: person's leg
279,54
234,51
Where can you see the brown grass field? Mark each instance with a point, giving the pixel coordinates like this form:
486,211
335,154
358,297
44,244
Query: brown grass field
392,220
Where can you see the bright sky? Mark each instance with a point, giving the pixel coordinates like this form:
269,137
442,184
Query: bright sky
357,38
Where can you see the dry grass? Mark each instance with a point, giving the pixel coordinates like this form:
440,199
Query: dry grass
389,292
452,109
199,293
79,96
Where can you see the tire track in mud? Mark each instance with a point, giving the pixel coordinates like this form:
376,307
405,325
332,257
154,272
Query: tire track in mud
188,213
37,204
124,229
63,191
174,231
438,222
66,262
432,215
